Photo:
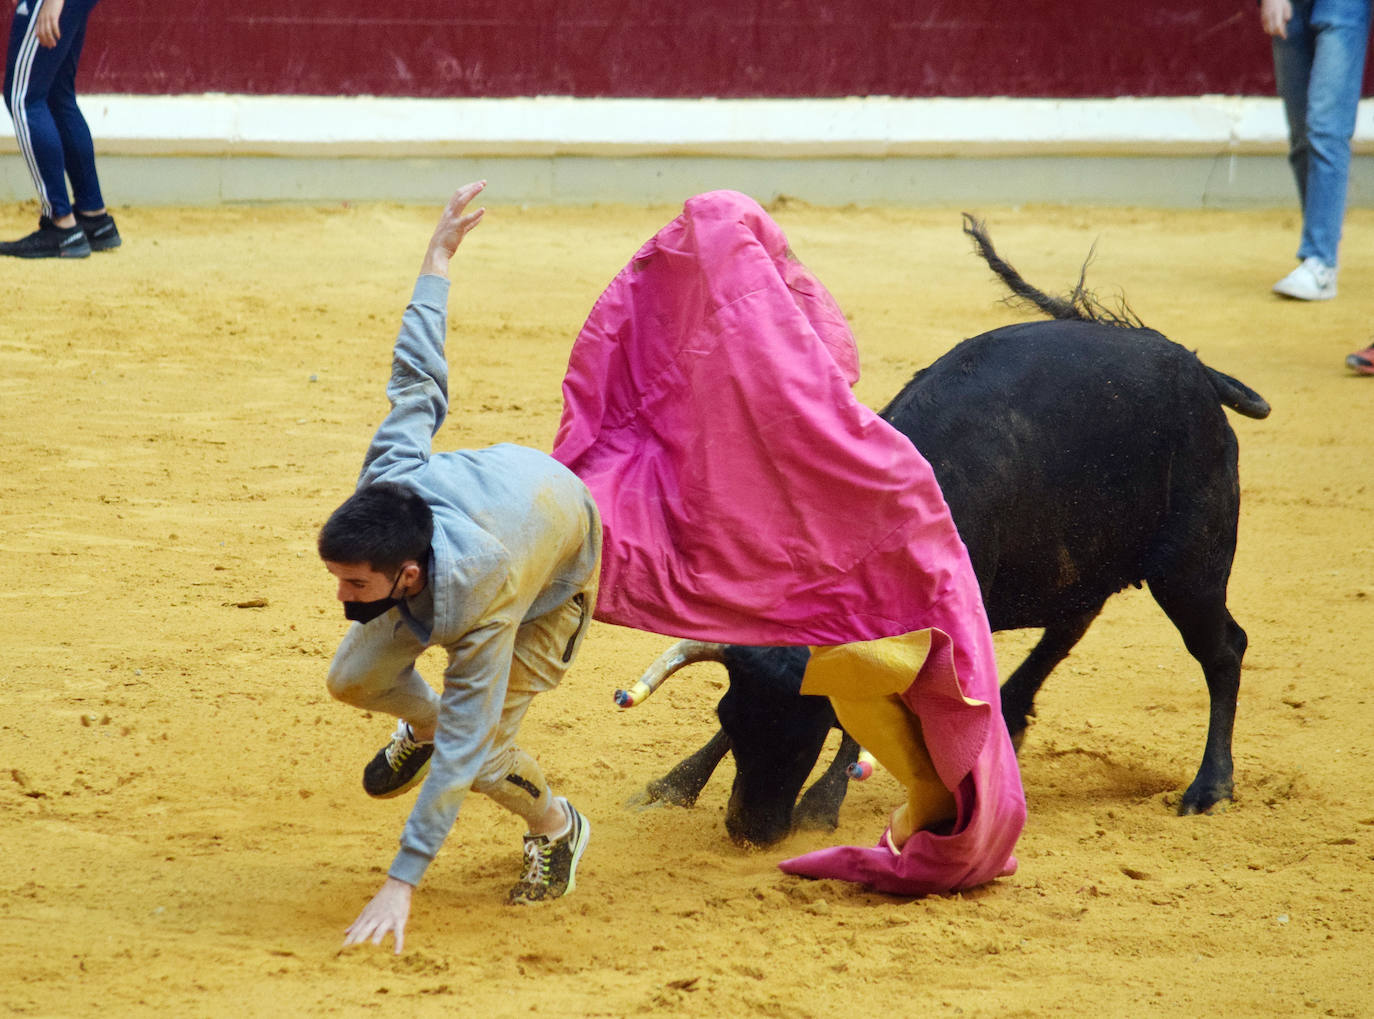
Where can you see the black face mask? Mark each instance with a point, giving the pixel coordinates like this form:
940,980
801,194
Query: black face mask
366,611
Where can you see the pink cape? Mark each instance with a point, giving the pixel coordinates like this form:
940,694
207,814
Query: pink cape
747,497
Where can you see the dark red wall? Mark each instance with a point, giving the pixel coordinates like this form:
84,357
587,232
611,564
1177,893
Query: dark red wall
675,48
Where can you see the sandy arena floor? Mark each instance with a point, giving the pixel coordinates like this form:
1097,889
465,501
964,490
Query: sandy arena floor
182,828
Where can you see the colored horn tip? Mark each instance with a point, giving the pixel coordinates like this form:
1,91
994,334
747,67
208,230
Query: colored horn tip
623,699
859,770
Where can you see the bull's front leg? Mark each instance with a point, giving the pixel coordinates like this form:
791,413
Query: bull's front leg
681,786
819,807
1018,692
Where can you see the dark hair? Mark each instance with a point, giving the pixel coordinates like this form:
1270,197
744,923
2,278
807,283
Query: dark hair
382,525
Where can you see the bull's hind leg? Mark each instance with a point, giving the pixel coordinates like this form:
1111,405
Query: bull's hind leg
1018,692
1218,643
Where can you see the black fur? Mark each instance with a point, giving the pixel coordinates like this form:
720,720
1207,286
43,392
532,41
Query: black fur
1077,456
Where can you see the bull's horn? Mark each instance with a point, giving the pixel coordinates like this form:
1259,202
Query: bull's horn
684,652
862,769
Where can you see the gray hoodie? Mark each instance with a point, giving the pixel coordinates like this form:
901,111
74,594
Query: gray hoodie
516,535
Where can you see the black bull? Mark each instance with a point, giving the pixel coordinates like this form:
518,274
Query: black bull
1077,456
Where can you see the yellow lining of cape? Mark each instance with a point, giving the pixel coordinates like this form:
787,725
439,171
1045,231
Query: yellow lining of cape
864,682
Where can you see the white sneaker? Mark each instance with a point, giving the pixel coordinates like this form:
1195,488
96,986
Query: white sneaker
1312,280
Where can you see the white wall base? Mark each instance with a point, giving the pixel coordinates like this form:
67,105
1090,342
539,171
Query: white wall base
1205,151
1165,182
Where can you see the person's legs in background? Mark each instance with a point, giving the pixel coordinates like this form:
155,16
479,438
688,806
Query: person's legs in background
1341,30
40,94
1319,69
1292,73
29,72
78,152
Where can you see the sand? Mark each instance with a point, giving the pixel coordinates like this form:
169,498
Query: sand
182,827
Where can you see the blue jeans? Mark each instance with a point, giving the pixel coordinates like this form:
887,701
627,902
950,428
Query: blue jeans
1319,69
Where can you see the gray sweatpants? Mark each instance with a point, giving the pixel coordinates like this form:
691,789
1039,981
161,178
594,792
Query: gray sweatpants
374,669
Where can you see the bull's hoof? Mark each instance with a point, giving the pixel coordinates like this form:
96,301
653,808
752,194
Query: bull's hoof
1186,809
815,820
819,807
661,794
1205,800
755,842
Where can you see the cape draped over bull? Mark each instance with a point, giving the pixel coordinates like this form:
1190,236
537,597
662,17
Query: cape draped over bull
748,497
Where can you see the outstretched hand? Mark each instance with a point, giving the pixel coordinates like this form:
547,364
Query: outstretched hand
387,913
454,223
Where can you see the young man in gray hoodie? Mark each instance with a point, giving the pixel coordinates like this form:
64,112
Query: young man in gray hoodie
492,554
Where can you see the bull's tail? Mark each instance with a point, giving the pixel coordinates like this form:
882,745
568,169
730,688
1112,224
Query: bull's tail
1080,304
1237,395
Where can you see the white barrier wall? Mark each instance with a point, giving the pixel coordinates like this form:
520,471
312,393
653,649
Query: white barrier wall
1209,150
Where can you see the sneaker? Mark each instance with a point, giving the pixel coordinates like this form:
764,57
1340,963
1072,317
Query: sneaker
1312,280
49,241
551,864
398,766
1362,361
100,231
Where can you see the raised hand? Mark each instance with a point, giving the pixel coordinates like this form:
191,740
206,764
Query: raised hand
454,224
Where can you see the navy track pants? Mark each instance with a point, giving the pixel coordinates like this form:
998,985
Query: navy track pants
40,94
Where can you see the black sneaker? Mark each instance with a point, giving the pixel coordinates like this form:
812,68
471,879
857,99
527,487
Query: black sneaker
551,864
101,232
49,241
398,766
